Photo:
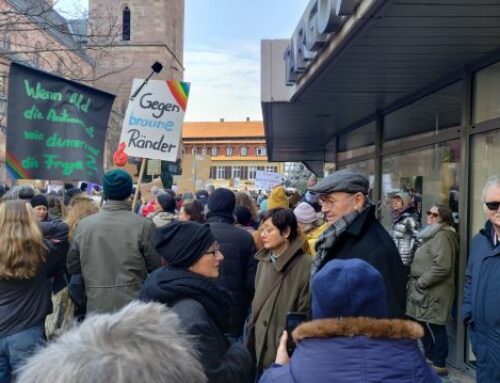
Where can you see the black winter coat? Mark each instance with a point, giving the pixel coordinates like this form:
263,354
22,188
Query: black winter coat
367,239
237,273
203,310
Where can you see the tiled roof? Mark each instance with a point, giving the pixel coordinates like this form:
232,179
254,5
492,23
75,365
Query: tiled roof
223,129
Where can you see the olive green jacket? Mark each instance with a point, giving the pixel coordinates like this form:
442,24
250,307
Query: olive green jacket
292,294
431,285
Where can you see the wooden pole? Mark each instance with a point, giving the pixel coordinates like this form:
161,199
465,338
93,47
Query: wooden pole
139,181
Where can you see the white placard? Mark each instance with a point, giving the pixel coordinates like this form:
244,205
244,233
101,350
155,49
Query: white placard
267,180
153,122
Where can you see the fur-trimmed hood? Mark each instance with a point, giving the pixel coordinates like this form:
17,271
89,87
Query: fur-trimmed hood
349,327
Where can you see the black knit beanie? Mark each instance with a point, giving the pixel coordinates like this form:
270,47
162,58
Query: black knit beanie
39,200
222,200
181,244
167,202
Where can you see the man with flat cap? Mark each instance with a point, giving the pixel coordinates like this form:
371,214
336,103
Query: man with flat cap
354,232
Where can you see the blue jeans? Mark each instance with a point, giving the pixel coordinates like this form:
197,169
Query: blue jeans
16,348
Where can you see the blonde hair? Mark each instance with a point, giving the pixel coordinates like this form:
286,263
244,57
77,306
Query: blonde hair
22,250
81,206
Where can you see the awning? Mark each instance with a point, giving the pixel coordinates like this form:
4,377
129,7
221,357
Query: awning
403,47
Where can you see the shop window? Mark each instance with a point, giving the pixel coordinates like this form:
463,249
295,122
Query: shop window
427,117
487,94
214,151
358,142
126,24
229,151
244,151
430,174
261,151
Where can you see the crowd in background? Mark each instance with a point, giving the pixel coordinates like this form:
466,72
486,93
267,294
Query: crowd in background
230,266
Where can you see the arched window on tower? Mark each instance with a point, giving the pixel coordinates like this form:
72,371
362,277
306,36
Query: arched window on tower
126,24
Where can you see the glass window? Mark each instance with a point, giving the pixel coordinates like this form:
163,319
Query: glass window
229,151
487,94
430,175
204,151
261,151
426,117
244,151
236,172
485,151
252,172
270,169
221,172
193,150
126,24
358,142
215,151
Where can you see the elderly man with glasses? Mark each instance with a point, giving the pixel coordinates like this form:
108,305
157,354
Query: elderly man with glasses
354,232
481,306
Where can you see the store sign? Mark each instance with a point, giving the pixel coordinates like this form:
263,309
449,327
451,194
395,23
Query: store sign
321,18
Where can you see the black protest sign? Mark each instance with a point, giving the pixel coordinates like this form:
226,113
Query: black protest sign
56,128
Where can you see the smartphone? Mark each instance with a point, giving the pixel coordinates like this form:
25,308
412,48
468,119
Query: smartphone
293,319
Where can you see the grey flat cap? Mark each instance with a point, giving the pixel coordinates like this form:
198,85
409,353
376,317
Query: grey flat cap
342,181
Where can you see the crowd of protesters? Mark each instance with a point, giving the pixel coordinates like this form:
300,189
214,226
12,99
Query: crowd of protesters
198,287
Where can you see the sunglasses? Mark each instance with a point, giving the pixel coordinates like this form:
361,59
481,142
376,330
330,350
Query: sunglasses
432,214
492,205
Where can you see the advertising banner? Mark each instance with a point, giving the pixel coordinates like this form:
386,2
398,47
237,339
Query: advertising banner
56,127
153,121
267,180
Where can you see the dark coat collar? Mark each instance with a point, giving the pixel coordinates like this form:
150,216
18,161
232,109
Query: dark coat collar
365,218
349,327
283,259
220,217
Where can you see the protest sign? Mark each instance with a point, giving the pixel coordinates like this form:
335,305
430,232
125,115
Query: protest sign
267,180
56,127
153,121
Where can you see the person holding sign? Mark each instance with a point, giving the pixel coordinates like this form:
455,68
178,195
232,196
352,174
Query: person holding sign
113,249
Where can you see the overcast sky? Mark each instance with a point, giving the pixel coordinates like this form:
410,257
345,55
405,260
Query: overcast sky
222,52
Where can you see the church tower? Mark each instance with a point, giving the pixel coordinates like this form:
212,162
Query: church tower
126,38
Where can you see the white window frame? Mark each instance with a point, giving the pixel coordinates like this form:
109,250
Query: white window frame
220,172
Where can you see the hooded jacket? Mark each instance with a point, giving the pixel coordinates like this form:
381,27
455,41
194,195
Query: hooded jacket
404,232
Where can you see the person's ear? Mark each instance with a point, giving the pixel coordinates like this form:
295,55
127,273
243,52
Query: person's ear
359,200
286,233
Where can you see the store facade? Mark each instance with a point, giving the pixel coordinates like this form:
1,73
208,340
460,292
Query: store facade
406,93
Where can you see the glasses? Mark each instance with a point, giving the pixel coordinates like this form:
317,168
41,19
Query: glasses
432,214
213,251
492,205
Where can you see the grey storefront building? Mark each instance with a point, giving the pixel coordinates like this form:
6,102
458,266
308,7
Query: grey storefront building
405,91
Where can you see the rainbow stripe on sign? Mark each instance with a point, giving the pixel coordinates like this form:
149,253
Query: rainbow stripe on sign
180,91
14,167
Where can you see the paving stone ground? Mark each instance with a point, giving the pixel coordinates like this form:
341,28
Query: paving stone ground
458,376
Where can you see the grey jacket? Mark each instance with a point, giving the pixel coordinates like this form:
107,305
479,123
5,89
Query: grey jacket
404,233
114,251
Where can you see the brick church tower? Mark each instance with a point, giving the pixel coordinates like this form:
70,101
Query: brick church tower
126,38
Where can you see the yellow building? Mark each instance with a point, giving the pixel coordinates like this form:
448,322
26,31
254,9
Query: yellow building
237,150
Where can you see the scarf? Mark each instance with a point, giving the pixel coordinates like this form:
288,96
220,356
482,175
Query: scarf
330,236
429,232
169,285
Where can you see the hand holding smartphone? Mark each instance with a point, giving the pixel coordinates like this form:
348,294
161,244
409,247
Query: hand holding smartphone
293,319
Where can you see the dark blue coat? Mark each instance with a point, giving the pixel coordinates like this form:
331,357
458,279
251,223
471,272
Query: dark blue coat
481,306
328,353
